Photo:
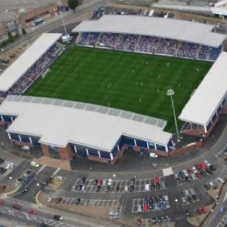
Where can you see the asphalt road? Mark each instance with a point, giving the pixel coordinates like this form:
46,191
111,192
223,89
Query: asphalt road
45,214
53,24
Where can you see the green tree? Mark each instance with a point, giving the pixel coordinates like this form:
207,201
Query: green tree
10,37
24,31
73,4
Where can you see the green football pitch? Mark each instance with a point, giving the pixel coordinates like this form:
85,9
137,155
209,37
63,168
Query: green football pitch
127,81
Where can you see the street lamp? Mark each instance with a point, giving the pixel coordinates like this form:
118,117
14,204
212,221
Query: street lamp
170,93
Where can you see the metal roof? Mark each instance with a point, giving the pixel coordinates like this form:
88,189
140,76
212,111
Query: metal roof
15,71
187,31
209,95
59,122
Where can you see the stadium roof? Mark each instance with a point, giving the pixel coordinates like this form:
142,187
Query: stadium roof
13,73
208,96
58,124
151,26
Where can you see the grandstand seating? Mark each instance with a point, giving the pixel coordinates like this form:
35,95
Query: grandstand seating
150,44
33,73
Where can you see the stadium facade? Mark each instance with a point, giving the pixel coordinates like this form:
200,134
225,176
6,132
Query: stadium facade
63,129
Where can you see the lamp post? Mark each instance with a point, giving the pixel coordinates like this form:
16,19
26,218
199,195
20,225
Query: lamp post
170,93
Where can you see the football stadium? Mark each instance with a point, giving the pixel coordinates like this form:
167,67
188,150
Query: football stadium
108,91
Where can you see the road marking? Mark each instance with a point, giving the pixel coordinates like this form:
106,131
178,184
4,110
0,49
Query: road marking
41,169
56,171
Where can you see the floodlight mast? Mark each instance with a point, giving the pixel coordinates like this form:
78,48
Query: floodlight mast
170,93
59,3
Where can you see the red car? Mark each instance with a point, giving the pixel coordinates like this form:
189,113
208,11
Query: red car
3,187
58,200
99,182
156,180
2,202
203,210
190,171
199,175
33,212
145,207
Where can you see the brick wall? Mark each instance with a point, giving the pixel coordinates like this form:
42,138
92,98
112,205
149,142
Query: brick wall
66,153
185,149
45,150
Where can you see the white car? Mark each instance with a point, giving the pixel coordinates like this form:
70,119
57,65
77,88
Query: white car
220,180
194,169
126,188
139,208
109,182
153,155
34,164
104,183
185,172
207,163
193,176
147,187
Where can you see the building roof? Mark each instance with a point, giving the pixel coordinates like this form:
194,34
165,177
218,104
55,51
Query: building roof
151,26
58,124
208,96
15,71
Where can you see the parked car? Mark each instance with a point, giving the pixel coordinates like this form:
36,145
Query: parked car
203,210
207,163
34,164
147,187
77,201
199,212
207,187
58,200
194,169
152,187
57,217
109,182
213,167
16,207
220,180
33,212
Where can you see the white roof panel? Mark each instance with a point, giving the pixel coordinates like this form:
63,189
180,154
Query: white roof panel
208,96
13,73
151,26
57,125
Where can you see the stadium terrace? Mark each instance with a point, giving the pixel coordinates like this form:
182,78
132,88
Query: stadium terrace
152,35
